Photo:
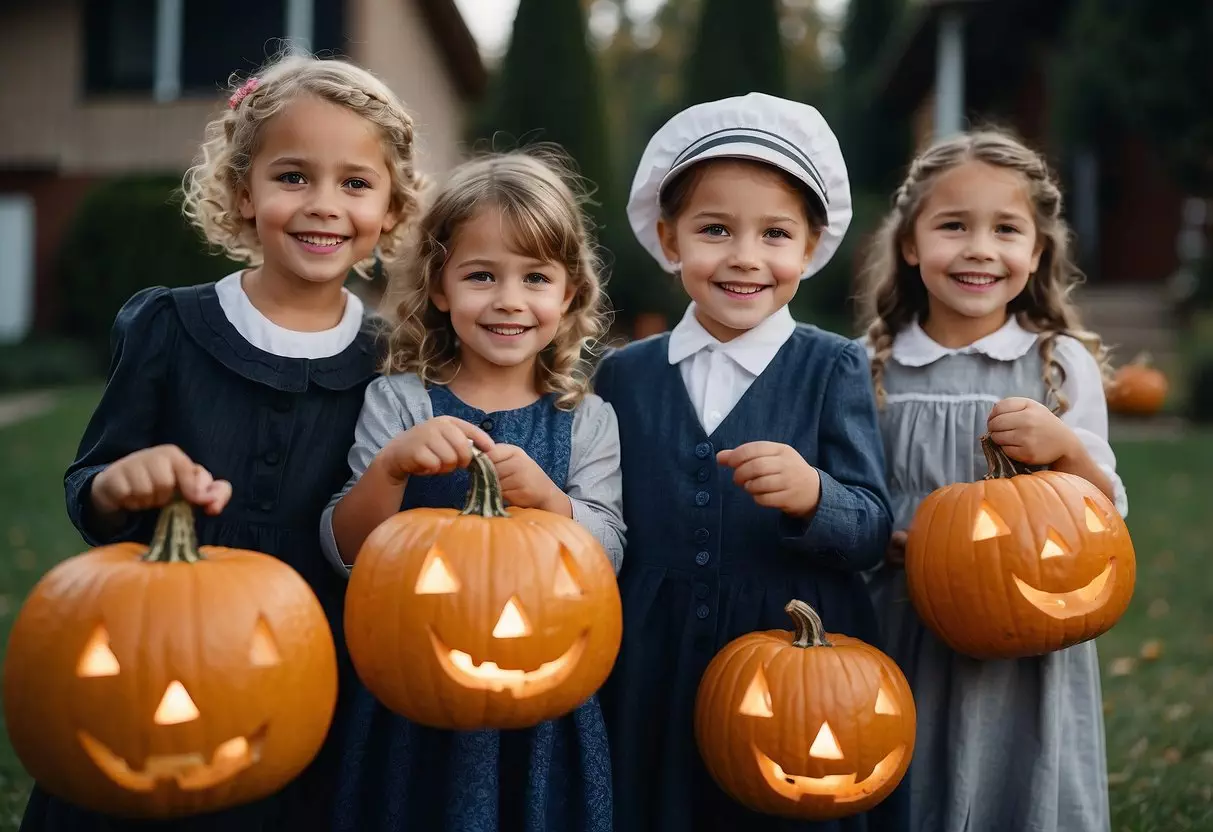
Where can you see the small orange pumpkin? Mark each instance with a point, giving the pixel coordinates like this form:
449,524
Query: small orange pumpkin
1137,388
166,680
807,725
482,618
1020,563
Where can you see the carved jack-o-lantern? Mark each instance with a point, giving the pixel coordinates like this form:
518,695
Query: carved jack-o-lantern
482,618
167,680
1018,564
810,725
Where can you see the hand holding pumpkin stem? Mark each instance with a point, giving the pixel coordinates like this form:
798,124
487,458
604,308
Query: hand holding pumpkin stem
524,483
1030,433
150,478
775,475
435,446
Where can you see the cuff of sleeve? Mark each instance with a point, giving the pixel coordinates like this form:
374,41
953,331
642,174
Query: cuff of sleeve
79,489
328,543
589,519
822,534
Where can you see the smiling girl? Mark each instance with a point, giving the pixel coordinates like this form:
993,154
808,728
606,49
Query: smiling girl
972,331
494,313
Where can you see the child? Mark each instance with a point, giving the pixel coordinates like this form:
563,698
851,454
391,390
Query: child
972,330
493,318
249,388
752,467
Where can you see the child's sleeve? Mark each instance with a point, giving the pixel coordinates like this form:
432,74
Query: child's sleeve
1087,415
127,417
391,405
595,482
851,527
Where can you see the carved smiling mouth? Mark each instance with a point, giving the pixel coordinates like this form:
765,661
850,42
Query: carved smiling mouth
460,667
842,787
191,771
1062,605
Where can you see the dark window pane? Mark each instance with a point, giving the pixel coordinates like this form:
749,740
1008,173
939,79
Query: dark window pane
119,45
225,36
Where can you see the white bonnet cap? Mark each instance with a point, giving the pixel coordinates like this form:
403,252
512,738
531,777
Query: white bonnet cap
793,137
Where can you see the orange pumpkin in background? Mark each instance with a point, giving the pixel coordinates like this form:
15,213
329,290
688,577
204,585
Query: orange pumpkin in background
1020,563
807,725
1137,388
166,680
482,618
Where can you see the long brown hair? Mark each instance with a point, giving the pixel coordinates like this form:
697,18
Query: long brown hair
895,295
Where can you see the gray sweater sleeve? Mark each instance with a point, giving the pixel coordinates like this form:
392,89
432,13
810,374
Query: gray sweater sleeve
392,405
595,483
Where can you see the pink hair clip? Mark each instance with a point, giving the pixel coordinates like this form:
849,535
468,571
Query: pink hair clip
242,93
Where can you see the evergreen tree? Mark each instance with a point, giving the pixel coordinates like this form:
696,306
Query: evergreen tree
737,50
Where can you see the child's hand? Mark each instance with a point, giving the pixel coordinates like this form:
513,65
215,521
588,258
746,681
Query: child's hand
149,478
1029,432
436,446
524,483
775,475
895,554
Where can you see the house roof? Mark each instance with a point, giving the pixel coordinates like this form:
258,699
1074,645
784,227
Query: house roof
459,48
997,36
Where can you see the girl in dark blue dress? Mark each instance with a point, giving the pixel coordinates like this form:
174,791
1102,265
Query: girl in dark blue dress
493,317
243,394
752,463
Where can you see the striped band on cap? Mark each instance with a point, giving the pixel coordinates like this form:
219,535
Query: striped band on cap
760,138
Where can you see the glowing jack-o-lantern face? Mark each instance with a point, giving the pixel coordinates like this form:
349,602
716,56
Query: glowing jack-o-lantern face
504,620
809,725
168,681
1020,563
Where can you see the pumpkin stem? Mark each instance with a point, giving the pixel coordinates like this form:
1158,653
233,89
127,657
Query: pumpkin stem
1001,465
1142,359
484,491
174,540
810,632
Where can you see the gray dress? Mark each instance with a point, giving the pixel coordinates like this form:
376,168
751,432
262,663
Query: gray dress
1002,746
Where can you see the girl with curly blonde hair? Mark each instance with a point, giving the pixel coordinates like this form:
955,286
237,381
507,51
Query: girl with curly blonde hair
971,331
242,395
494,315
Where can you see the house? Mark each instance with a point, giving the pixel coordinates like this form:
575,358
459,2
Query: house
961,63
97,88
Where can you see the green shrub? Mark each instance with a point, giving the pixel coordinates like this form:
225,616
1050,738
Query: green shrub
49,362
128,234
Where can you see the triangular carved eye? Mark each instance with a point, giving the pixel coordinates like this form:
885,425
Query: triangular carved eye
1054,546
886,705
435,577
97,659
1094,517
176,706
825,747
263,652
512,623
988,524
757,699
566,584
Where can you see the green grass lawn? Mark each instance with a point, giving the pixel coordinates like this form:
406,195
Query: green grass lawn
1159,710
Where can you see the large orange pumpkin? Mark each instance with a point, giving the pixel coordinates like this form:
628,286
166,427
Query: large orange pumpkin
1019,564
1137,388
807,725
161,681
482,618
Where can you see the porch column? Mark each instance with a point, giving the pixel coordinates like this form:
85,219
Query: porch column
299,14
166,62
949,74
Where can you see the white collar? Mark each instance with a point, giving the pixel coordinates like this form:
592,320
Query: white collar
914,348
753,349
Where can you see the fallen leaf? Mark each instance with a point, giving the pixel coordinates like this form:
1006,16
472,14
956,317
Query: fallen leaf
1118,778
1151,650
1108,707
6,604
26,560
1122,666
1172,755
1139,748
1158,608
1178,711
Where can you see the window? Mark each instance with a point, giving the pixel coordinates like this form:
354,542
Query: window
204,44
